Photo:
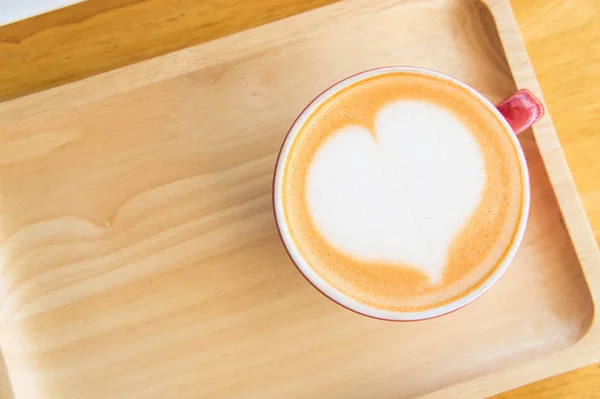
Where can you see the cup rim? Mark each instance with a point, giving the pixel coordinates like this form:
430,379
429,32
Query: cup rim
329,291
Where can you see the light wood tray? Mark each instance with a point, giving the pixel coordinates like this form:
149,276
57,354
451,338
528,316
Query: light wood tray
139,256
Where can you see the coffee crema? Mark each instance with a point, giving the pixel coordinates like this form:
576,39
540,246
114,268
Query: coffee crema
402,191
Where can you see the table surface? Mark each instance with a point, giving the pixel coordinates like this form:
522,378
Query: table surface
562,37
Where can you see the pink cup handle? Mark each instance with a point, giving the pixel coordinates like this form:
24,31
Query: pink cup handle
521,110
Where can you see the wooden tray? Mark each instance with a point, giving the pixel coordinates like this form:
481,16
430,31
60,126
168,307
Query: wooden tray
139,256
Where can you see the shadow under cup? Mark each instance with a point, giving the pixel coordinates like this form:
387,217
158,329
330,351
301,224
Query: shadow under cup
299,238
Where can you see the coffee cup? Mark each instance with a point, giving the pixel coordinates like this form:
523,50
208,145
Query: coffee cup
402,193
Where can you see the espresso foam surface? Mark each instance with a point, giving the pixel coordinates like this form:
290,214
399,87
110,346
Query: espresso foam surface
377,195
402,191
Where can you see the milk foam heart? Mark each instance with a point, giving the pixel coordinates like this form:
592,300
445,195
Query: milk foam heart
401,193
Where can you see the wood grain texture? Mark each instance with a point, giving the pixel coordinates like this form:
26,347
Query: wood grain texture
38,51
96,36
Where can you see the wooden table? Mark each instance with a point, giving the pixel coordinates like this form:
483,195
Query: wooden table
562,37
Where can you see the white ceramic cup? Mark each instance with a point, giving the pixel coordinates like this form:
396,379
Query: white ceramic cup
517,113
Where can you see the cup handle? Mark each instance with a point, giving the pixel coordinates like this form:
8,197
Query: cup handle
521,110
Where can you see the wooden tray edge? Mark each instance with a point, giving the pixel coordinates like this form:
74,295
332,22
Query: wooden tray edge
165,66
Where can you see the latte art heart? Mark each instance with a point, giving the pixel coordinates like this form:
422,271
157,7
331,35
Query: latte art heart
376,196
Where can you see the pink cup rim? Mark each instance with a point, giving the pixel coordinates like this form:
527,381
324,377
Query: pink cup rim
432,313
